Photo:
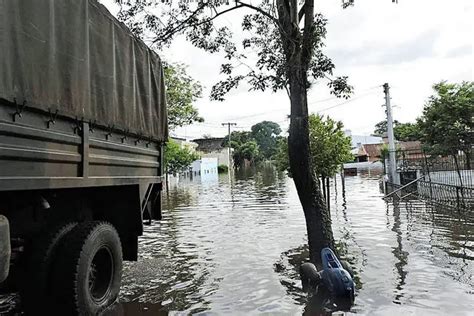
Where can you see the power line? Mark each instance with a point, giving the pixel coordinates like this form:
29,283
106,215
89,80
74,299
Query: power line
238,118
336,98
216,125
345,102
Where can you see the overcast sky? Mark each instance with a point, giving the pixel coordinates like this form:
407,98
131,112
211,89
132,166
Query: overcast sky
410,45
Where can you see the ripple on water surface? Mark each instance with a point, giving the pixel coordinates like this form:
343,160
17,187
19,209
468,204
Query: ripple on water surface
234,247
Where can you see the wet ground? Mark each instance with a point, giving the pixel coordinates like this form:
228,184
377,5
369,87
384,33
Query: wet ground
233,247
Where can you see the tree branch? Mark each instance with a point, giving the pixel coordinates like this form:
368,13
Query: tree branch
293,11
301,13
184,24
307,46
259,10
179,27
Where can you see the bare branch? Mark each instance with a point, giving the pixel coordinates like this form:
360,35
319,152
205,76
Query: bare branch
301,13
307,49
259,10
181,25
185,23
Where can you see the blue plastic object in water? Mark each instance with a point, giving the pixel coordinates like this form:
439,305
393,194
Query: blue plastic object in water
338,281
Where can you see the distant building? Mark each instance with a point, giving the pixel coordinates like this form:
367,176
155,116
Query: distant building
365,148
206,168
358,140
411,147
369,152
183,142
213,148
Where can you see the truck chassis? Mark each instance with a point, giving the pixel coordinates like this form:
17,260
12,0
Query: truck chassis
64,184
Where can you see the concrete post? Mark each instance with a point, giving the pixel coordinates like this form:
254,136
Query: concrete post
392,160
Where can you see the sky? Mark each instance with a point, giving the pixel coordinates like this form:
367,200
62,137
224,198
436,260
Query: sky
410,45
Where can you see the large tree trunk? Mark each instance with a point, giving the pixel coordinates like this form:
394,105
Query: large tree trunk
298,49
318,221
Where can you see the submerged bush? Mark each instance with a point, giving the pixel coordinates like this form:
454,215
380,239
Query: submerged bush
222,169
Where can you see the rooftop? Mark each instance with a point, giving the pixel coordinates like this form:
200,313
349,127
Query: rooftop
208,145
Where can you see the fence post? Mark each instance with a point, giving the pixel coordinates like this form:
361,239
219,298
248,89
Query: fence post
463,204
429,175
457,196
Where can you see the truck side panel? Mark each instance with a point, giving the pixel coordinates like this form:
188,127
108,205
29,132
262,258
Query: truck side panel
39,152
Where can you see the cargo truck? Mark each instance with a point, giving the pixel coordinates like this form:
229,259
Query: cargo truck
82,127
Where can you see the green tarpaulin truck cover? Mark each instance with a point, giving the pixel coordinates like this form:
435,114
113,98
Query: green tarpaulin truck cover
74,57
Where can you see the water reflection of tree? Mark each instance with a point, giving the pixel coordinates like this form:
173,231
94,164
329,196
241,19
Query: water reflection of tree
399,253
451,232
347,235
269,182
176,196
246,173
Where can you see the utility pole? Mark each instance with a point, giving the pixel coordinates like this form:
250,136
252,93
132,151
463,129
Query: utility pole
228,144
392,160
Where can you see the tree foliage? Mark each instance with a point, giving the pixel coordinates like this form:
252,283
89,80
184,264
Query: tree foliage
381,127
178,159
401,131
407,132
282,160
247,151
266,134
447,123
181,93
263,32
258,144
330,147
244,148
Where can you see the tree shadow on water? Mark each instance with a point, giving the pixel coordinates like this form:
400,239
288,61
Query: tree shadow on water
316,301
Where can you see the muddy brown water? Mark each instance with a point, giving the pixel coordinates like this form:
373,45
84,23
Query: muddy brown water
233,247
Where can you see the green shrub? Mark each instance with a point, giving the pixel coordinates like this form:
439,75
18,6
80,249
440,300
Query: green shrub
222,169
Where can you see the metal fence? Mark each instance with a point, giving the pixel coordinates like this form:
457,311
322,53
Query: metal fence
448,181
444,194
454,170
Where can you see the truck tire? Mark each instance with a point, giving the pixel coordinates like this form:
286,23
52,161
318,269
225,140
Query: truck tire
88,271
37,280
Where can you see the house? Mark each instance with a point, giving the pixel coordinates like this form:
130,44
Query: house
357,143
412,148
358,140
205,168
184,143
369,152
213,148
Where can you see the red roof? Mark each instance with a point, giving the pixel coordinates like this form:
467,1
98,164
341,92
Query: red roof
372,150
411,145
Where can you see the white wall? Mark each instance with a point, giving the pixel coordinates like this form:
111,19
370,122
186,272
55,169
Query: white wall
222,156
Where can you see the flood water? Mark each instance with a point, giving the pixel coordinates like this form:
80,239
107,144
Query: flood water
234,247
